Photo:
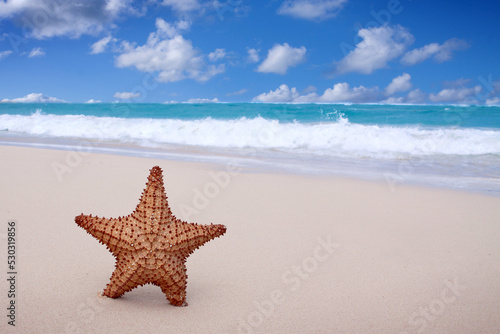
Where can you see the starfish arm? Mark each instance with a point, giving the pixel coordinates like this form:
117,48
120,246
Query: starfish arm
153,209
172,279
128,275
187,237
116,233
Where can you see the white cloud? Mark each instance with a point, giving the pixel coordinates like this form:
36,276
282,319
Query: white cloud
72,18
167,53
4,54
439,52
9,8
34,98
393,100
239,92
281,94
494,101
182,5
208,72
455,95
309,89
101,45
379,46
286,94
214,100
280,57
458,83
36,52
115,6
253,56
93,101
165,29
399,84
415,96
311,9
216,55
341,92
416,56
126,95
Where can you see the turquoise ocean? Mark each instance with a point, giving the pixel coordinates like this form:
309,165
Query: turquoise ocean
445,146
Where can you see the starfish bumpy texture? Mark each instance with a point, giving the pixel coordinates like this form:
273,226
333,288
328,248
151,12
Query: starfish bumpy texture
150,245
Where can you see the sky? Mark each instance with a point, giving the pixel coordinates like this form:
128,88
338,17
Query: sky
302,51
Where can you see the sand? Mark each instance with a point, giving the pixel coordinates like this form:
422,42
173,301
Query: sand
302,254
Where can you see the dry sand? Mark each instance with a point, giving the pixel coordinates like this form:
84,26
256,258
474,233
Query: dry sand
301,254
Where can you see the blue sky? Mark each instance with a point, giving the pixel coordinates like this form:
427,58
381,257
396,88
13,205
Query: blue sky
390,51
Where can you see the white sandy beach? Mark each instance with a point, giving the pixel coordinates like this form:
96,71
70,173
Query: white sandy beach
302,254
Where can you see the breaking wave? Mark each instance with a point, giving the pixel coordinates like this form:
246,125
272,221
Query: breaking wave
338,137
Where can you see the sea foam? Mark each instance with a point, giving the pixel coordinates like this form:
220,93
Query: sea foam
338,138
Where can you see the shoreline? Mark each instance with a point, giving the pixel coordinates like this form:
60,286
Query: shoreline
393,173
302,254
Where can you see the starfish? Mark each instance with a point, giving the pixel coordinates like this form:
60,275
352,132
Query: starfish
150,245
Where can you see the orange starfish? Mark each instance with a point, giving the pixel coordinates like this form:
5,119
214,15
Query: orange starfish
150,245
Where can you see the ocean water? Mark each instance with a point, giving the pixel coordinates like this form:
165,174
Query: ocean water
449,146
